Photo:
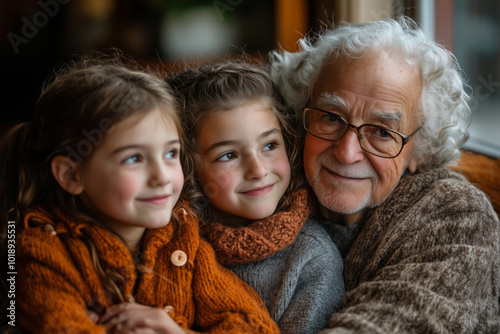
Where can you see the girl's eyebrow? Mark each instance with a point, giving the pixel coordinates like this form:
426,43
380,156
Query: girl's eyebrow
139,146
233,142
269,133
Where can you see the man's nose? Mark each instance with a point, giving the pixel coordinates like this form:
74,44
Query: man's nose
348,149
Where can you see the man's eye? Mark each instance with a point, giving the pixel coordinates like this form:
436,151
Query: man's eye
380,134
330,118
226,157
384,133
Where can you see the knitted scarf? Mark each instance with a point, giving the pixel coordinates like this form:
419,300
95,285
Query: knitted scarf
262,238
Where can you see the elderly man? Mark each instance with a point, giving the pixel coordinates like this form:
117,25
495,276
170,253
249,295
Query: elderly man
385,109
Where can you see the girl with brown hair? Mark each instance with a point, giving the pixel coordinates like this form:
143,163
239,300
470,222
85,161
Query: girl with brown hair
244,178
100,168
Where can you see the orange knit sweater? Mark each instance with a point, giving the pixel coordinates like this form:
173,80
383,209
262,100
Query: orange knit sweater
57,282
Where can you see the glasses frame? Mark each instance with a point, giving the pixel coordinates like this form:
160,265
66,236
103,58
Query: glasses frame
406,138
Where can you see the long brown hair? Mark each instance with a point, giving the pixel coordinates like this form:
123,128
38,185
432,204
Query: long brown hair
225,86
73,113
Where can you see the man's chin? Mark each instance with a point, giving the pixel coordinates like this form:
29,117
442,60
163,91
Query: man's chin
342,214
343,206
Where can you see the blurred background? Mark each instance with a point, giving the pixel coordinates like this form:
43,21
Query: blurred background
39,35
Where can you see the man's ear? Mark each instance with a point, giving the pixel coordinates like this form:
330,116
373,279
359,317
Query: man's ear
412,166
65,172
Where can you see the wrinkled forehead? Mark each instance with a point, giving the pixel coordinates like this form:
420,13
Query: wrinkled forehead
384,65
379,76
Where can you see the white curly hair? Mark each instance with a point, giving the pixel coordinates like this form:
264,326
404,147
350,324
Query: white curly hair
444,110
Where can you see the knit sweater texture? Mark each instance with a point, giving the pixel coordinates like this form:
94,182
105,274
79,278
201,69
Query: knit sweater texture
294,266
425,261
58,282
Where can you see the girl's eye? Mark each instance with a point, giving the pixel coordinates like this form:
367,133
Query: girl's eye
270,146
172,154
226,157
132,159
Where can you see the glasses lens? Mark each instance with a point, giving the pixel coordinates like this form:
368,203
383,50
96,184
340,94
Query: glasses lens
323,124
380,141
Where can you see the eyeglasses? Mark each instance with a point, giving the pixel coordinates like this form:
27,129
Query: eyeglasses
374,139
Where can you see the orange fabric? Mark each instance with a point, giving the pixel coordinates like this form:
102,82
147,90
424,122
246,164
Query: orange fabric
482,171
57,282
262,238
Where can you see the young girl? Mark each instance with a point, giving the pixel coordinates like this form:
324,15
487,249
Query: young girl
99,167
249,194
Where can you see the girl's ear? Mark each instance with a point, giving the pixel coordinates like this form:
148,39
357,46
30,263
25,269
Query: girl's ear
65,172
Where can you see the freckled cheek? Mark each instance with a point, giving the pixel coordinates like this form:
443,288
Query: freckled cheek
281,167
178,179
226,182
220,182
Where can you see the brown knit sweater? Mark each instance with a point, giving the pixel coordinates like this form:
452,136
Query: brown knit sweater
262,238
57,281
426,261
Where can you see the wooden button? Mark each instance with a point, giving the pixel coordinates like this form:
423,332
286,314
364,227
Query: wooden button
179,258
49,228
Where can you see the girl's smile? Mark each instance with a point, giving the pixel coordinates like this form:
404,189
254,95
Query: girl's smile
157,200
260,191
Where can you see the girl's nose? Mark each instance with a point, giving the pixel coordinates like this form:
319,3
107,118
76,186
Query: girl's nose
255,169
159,175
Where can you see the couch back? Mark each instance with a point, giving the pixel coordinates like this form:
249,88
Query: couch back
484,172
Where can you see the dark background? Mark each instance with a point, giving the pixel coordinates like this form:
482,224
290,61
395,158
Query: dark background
37,36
